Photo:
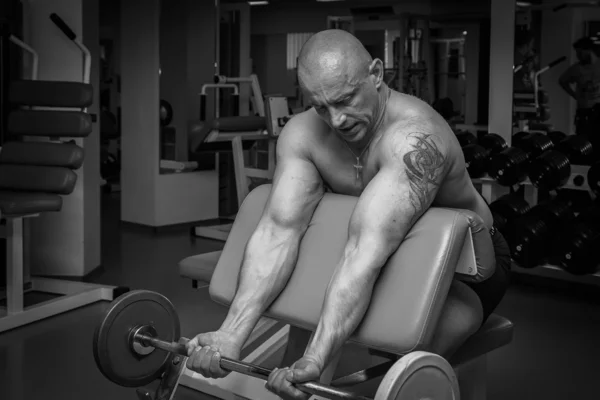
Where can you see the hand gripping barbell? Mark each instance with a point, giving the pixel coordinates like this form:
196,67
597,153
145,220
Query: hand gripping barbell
140,322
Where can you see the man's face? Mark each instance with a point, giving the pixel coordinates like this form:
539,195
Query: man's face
347,104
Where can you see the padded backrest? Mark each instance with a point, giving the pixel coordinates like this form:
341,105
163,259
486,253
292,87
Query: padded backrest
33,178
410,291
54,124
53,154
51,93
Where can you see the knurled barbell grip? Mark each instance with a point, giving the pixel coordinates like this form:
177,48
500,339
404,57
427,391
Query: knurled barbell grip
256,371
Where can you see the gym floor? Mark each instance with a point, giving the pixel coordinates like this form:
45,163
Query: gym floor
554,354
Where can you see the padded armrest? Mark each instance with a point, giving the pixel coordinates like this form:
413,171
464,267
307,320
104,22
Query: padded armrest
408,296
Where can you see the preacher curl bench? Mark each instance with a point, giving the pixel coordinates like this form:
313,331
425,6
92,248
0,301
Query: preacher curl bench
138,340
411,277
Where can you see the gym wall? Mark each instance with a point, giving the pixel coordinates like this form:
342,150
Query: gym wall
148,197
173,70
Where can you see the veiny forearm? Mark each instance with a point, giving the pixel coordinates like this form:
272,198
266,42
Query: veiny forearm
268,263
347,299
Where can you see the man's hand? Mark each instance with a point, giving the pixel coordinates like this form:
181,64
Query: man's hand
206,349
281,380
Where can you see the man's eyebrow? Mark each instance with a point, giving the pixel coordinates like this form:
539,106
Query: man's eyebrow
344,95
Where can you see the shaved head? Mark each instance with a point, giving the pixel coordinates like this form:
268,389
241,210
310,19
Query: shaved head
333,54
342,82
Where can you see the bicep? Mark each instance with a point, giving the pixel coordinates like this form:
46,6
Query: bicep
297,186
401,191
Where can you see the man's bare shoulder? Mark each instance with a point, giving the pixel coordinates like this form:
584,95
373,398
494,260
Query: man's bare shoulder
301,133
417,126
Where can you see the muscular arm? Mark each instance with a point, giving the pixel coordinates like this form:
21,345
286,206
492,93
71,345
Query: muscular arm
401,191
272,250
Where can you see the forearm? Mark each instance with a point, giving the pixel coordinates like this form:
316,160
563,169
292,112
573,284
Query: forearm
346,301
269,260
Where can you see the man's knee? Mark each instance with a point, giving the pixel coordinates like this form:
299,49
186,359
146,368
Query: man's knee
461,317
465,306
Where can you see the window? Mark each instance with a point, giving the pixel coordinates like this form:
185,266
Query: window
295,41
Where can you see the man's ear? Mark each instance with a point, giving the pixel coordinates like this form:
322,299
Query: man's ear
376,72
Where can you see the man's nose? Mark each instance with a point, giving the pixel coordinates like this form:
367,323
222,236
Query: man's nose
337,118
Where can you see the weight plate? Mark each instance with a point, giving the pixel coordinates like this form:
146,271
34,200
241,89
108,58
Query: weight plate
419,375
112,350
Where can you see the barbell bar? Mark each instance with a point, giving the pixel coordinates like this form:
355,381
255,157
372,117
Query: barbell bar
139,338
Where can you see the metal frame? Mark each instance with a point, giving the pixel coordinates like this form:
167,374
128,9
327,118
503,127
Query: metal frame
73,294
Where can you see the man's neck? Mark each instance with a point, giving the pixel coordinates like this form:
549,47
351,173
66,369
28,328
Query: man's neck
378,122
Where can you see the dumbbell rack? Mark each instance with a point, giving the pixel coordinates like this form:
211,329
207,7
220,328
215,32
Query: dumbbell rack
577,181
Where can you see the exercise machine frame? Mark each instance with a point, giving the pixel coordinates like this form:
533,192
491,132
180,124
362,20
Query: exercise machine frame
72,294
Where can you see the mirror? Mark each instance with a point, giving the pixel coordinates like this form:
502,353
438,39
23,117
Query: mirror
449,59
556,85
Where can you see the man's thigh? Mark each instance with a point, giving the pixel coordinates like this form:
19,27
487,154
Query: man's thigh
461,317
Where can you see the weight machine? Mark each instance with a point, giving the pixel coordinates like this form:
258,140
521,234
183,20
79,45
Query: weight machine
35,175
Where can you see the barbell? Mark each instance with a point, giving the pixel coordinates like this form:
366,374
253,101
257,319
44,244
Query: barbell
136,341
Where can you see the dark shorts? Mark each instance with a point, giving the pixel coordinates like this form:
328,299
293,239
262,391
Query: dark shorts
492,290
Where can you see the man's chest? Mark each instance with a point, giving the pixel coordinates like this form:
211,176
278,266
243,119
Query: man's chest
345,172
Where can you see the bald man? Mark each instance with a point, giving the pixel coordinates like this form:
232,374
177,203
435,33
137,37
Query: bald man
399,157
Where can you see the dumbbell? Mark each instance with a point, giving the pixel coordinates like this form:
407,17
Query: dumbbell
135,344
552,169
556,136
575,250
465,137
478,154
593,178
578,200
507,209
530,233
510,166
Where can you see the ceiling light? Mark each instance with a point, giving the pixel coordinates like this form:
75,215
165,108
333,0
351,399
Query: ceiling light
258,3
